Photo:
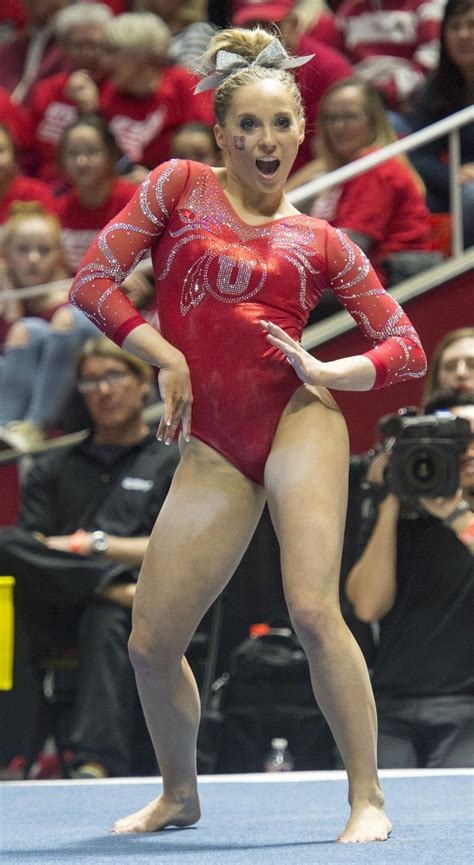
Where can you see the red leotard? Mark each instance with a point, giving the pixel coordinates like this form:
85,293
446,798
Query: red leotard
216,277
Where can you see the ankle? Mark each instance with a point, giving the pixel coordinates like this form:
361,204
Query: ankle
372,797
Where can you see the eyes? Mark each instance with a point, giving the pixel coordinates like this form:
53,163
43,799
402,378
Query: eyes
281,121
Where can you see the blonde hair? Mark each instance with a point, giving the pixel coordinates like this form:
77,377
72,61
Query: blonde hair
431,380
382,131
141,33
21,212
102,346
248,44
185,11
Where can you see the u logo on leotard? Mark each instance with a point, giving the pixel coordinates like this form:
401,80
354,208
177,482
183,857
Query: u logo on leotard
239,276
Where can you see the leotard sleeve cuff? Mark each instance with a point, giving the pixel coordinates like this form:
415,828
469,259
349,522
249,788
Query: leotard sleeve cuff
380,368
122,332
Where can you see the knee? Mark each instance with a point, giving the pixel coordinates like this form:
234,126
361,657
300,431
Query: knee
151,656
18,336
63,320
315,622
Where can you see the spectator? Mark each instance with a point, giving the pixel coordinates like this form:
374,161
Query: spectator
196,141
452,363
15,186
383,209
313,79
146,99
89,155
42,334
415,578
16,119
85,517
57,100
32,53
449,89
393,44
188,24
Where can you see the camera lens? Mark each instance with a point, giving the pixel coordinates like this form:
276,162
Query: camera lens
423,470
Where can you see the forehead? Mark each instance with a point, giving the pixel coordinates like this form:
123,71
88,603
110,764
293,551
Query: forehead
98,365
347,96
33,229
83,134
461,348
263,97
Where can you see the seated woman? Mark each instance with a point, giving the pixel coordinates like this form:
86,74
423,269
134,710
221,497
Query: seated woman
195,141
41,334
13,185
382,210
449,89
89,155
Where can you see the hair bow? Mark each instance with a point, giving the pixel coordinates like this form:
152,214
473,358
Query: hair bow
273,56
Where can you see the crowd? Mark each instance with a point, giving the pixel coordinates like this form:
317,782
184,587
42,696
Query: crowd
93,96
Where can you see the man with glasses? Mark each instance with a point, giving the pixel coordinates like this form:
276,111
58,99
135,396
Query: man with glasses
85,516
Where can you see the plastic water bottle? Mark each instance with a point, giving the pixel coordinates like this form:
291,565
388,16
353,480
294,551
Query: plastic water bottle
278,758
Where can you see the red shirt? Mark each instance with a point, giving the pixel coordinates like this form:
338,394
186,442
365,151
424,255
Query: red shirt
52,111
81,224
383,203
16,120
26,189
143,127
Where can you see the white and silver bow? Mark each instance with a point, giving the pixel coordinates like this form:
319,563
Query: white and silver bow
273,56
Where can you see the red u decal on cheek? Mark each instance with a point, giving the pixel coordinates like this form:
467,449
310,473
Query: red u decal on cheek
239,142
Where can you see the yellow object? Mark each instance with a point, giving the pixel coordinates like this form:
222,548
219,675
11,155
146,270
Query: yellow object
6,633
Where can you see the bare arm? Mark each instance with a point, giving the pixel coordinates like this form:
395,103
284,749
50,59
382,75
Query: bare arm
129,551
371,585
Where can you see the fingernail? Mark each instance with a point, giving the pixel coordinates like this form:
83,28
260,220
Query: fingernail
160,438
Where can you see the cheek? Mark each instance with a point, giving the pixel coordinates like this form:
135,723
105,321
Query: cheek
239,142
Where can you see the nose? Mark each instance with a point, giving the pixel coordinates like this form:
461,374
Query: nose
461,368
267,140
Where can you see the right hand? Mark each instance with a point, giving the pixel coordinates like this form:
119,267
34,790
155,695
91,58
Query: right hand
81,88
174,383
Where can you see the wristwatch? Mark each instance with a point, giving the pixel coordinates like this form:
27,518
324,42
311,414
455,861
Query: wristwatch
462,508
99,543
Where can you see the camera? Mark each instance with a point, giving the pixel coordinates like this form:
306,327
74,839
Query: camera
425,452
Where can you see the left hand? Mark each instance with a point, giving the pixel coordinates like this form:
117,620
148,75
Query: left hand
63,543
441,506
307,368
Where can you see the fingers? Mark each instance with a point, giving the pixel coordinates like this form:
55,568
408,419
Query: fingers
176,394
275,332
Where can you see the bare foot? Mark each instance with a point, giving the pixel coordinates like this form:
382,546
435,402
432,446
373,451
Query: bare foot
366,823
159,814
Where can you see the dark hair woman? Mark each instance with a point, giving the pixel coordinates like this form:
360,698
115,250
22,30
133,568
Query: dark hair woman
450,88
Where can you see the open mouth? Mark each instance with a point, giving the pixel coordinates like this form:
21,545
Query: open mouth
268,165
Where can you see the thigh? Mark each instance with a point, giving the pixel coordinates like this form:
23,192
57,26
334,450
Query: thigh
201,533
306,479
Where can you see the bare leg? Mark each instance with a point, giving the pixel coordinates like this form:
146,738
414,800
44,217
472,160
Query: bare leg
306,481
200,536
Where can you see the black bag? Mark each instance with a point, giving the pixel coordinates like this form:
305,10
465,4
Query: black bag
266,694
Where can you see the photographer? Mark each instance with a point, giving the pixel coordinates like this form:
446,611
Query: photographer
413,582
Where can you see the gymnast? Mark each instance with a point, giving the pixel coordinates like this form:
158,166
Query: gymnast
237,271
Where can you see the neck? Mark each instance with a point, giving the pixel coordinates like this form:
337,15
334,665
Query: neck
252,200
128,433
94,196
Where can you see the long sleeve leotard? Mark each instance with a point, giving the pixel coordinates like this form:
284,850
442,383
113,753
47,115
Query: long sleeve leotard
216,277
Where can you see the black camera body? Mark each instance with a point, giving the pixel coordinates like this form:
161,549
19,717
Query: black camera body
425,453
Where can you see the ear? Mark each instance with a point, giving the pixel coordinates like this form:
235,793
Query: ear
220,138
302,125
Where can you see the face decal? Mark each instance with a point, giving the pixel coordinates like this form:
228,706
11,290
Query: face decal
239,142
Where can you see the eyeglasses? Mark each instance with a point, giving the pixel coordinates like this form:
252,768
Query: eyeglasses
89,153
345,117
114,379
